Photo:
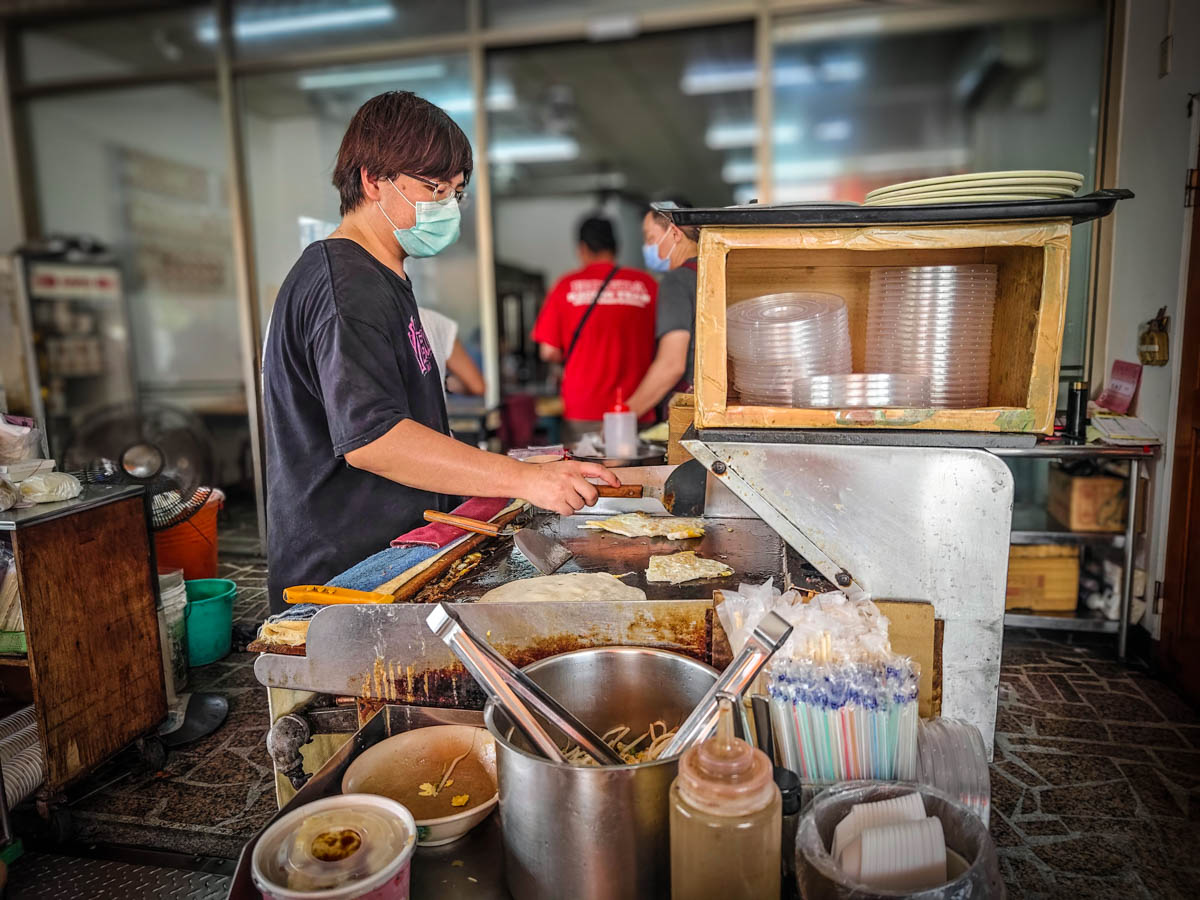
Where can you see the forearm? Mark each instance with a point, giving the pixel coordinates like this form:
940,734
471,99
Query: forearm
662,375
417,456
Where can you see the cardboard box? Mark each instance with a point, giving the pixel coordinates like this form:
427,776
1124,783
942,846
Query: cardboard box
1087,502
1043,577
680,415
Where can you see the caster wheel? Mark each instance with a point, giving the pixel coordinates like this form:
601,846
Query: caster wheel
153,753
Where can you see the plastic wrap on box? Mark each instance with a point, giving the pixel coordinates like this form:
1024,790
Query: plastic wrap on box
820,877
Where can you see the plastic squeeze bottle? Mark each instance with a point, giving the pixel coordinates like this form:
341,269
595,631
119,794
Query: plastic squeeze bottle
620,431
726,820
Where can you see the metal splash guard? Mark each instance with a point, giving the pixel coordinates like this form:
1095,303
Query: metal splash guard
900,523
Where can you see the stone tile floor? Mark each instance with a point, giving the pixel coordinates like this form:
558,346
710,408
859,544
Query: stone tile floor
1096,777
1095,784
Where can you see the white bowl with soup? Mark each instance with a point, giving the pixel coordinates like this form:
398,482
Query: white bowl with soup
411,767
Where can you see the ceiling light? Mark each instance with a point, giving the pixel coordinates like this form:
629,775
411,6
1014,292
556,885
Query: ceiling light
399,75
718,79
500,98
833,130
842,68
533,150
732,135
248,27
795,74
739,170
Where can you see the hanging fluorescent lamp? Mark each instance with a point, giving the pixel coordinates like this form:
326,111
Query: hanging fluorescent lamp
708,78
260,25
833,130
398,76
733,135
534,150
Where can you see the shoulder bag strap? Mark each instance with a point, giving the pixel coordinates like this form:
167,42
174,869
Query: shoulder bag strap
587,314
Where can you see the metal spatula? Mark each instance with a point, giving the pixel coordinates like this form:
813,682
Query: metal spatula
544,554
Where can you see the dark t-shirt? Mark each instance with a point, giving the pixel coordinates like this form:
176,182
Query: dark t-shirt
677,308
345,360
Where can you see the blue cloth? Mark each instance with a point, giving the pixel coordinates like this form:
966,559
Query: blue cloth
365,576
382,567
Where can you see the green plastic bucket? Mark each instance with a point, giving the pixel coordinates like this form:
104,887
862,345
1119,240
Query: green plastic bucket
209,619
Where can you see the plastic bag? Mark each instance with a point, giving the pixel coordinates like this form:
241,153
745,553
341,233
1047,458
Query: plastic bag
9,495
18,442
50,487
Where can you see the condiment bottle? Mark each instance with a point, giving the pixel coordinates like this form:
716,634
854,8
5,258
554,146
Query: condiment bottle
620,431
725,814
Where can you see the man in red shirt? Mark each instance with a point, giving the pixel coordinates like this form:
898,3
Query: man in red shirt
599,322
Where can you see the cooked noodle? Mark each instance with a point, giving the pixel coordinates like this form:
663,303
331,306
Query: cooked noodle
658,734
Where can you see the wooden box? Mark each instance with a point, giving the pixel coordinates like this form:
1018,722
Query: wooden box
1043,577
737,264
1087,502
680,414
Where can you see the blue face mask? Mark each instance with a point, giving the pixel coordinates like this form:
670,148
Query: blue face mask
436,226
650,256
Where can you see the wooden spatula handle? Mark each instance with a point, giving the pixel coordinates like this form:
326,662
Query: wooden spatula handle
475,525
624,490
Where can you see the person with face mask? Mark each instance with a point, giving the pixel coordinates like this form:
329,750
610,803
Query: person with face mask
598,323
357,439
672,250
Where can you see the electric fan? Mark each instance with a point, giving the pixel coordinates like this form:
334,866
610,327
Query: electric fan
164,448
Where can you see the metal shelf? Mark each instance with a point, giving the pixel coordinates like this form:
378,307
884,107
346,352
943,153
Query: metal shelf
1033,525
1092,621
1058,449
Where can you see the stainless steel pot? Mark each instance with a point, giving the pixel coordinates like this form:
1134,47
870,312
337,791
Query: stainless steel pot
589,832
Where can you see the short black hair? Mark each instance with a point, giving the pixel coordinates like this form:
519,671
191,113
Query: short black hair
398,132
596,233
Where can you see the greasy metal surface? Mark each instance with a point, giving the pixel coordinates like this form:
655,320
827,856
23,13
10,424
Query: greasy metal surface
908,524
52,876
748,546
472,867
388,652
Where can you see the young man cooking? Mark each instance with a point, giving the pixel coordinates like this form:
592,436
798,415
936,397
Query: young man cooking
358,444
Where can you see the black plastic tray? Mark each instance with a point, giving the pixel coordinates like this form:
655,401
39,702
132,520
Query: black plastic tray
1078,209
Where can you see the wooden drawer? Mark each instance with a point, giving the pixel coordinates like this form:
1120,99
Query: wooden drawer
737,264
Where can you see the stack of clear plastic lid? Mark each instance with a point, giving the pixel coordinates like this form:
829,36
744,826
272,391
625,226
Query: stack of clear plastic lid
951,757
934,321
776,339
858,390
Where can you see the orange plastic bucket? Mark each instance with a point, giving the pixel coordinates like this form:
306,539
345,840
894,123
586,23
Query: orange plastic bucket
192,544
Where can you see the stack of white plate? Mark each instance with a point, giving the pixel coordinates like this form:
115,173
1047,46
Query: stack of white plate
867,391
979,187
776,339
934,321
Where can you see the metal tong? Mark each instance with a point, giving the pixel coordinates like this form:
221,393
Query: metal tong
767,637
515,692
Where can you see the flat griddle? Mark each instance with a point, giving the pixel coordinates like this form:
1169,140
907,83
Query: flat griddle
748,546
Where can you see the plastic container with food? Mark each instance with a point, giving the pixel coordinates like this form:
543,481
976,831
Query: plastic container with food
347,847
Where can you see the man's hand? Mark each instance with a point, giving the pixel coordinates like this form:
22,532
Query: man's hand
563,487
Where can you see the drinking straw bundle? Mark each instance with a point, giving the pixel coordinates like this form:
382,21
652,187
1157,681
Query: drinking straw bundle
848,719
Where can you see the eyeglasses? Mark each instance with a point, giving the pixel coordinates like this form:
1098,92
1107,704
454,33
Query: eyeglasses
441,189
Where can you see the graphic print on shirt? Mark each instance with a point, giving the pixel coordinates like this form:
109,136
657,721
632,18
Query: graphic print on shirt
620,292
420,346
